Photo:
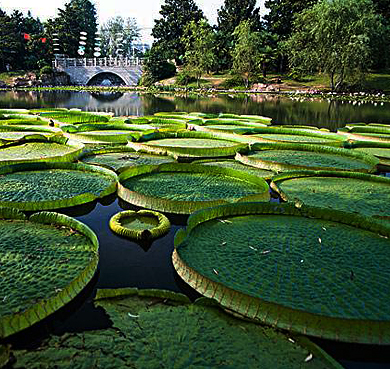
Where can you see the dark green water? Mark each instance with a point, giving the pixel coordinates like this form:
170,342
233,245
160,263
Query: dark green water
282,109
124,263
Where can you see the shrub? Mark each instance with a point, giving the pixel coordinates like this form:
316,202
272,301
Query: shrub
46,70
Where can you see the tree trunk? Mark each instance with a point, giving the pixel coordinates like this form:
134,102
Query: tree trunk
264,67
332,81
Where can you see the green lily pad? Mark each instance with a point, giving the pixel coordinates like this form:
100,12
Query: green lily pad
315,271
14,136
141,225
45,262
184,188
187,144
75,117
58,149
236,165
122,158
117,136
296,138
294,156
382,153
43,186
157,329
355,192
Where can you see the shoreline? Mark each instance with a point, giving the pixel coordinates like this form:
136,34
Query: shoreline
210,92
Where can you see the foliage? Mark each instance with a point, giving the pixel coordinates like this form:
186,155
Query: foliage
112,30
335,37
15,51
184,78
230,15
233,81
246,53
46,70
279,22
78,16
156,66
199,43
169,29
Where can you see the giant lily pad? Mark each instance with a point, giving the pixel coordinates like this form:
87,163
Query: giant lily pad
43,186
284,157
360,132
381,150
121,158
315,271
141,225
45,262
154,328
75,116
186,144
53,148
290,134
236,165
358,192
115,136
184,188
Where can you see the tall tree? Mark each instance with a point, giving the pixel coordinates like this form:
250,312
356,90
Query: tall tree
230,15
246,52
199,41
168,30
382,46
9,42
335,37
383,8
279,21
117,36
78,16
36,48
111,33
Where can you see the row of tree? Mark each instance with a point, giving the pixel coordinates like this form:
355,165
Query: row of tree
28,43
343,38
340,37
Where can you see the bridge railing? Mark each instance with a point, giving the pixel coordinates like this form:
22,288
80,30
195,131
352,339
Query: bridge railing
62,63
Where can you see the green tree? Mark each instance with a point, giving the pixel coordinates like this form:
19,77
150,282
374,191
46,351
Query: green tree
156,66
199,41
382,46
246,55
36,48
127,28
78,16
9,41
168,30
230,15
335,37
383,8
279,22
21,44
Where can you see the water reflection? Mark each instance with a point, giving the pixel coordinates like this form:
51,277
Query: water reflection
282,109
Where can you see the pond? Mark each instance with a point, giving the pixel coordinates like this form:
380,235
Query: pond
124,263
282,109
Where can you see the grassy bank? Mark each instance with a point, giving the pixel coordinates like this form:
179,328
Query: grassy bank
379,81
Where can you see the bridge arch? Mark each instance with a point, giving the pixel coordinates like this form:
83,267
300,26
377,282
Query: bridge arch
106,78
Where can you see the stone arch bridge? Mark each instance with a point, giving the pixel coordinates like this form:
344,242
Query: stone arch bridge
101,71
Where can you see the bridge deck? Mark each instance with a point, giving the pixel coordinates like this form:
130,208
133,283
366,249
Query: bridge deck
96,62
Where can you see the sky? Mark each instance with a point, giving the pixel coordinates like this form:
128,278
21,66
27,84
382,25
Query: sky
144,11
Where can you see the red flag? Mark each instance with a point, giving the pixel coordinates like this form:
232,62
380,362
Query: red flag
26,36
43,39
